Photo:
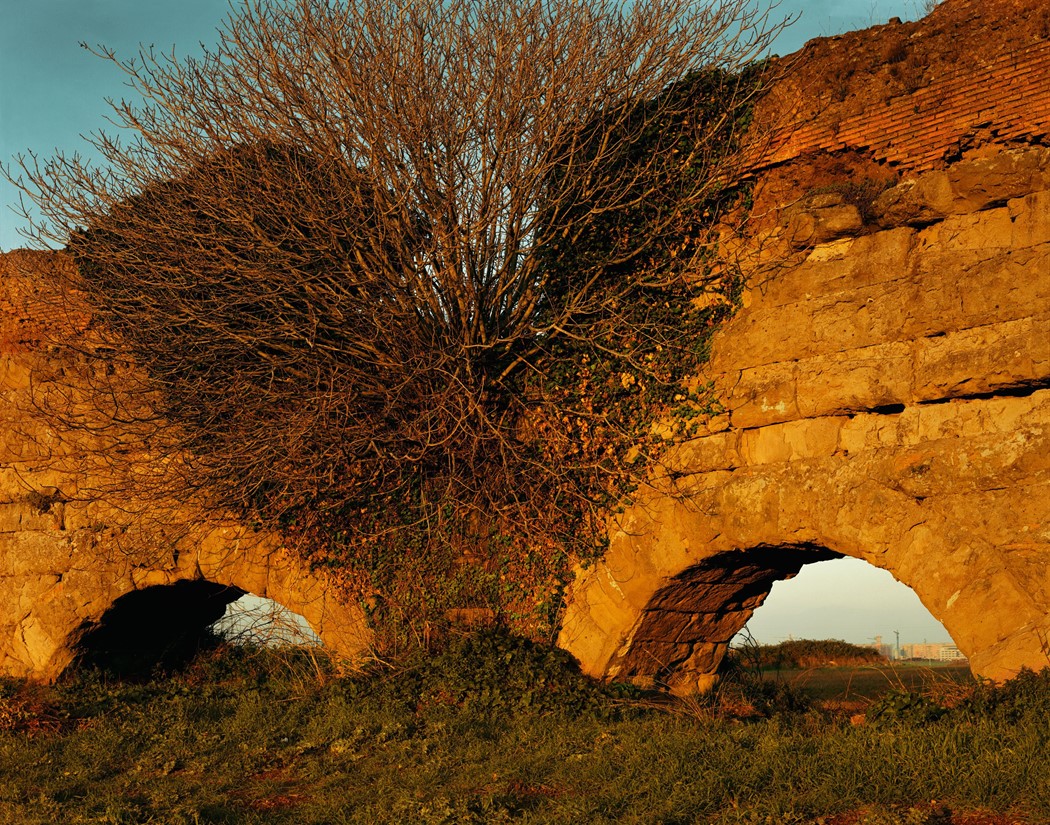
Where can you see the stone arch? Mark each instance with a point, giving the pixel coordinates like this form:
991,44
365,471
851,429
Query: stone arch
685,570
67,584
162,625
886,395
73,545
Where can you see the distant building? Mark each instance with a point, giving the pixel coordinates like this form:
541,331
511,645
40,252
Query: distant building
885,651
935,652
950,653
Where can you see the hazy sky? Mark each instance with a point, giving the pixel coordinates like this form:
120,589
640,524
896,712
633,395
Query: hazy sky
844,599
52,91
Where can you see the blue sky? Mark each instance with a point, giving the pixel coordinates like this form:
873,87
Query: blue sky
52,91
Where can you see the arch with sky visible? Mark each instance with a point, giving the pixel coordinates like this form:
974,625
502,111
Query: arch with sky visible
887,397
847,599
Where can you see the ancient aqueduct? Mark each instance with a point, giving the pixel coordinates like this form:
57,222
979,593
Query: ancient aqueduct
887,396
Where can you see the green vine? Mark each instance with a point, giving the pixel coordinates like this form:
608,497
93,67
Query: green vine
596,408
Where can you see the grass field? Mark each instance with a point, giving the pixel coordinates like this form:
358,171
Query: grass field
500,731
867,682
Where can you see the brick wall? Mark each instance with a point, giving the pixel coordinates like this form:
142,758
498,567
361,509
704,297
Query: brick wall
1005,100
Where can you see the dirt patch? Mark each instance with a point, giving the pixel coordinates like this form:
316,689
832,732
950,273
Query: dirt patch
276,789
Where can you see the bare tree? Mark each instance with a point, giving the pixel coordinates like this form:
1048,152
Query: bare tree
410,281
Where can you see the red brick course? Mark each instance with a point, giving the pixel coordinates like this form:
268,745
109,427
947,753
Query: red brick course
1006,100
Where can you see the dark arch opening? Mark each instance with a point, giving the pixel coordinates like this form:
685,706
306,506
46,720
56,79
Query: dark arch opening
685,630
682,636
159,628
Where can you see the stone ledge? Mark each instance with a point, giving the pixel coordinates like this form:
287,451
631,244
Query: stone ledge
825,436
972,361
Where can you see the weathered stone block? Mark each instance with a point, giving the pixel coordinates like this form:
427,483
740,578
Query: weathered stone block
702,455
767,335
15,376
21,515
916,202
983,359
984,182
856,380
821,220
858,434
33,553
980,234
965,187
791,441
1030,217
763,395
1005,288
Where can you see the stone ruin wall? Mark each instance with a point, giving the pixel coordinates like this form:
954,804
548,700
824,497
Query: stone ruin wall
916,96
887,396
886,385
68,549
886,390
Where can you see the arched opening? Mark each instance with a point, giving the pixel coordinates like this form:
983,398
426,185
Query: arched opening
162,628
256,620
852,600
688,625
685,630
157,628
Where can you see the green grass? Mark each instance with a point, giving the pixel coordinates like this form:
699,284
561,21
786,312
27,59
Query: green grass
869,681
497,731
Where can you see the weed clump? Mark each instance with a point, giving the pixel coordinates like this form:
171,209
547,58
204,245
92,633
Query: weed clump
493,673
904,707
24,709
1026,696
745,692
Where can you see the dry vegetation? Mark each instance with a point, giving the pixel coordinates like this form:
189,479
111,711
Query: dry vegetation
499,730
412,283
